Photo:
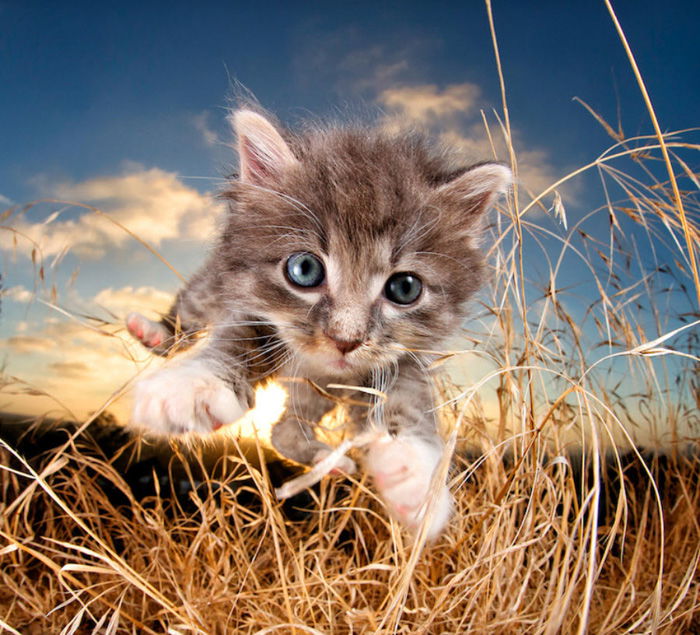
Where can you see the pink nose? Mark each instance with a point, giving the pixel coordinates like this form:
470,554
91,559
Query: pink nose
344,346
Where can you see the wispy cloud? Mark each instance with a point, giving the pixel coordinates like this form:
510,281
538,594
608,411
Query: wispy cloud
29,344
454,114
201,124
4,201
344,61
152,203
427,103
72,370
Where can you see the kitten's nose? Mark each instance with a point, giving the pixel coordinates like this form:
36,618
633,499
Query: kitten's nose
344,346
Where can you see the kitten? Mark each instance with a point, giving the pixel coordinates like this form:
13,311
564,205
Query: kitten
344,253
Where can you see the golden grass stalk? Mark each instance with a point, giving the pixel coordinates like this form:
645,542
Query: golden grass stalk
677,198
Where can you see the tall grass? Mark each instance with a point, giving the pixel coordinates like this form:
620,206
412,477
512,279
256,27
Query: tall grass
586,344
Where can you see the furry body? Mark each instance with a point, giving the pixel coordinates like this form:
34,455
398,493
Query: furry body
343,254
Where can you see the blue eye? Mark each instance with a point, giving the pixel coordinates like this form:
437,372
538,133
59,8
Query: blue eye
305,270
403,288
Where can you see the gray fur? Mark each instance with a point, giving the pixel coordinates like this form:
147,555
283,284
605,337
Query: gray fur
371,204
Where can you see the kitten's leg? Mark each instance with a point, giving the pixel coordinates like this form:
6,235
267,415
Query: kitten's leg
295,439
293,436
196,305
186,396
403,466
196,392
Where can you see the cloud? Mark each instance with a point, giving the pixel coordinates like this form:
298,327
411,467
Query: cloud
147,300
4,201
80,366
426,103
342,60
201,123
74,370
153,204
30,344
18,293
453,114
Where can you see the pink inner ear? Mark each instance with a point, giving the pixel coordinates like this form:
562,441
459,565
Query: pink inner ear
254,168
262,151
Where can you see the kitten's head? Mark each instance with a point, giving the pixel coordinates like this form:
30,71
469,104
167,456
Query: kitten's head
356,245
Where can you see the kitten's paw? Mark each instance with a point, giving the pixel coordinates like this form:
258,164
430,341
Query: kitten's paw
184,397
402,469
150,334
345,464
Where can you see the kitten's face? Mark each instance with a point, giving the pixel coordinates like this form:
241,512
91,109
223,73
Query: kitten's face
357,305
358,248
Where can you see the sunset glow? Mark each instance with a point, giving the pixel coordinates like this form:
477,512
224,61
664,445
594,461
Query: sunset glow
270,402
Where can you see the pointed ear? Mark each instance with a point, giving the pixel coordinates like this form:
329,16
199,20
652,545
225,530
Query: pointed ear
262,152
476,190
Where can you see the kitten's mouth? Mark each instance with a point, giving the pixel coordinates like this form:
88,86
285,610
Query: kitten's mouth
326,358
340,363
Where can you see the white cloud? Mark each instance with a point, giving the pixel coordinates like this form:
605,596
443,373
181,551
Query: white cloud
4,201
153,204
18,293
147,300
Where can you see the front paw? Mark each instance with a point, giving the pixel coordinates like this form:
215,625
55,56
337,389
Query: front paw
184,397
151,334
402,469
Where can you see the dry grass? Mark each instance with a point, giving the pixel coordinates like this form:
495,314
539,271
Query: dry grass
538,555
561,525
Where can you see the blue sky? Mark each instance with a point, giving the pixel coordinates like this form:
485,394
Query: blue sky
122,106
88,85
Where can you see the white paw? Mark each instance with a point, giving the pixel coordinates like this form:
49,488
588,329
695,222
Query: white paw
150,334
184,396
402,469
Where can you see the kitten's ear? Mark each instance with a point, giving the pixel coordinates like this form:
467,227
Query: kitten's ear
476,190
262,152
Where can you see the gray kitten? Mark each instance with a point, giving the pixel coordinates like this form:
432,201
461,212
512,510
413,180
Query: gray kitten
344,253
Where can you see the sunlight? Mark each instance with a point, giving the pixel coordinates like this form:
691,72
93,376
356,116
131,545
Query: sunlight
270,402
